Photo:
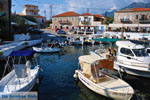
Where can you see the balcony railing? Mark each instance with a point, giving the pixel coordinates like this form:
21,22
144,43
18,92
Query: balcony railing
85,22
126,21
144,21
65,22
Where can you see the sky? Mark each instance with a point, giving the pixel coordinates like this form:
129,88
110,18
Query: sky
79,6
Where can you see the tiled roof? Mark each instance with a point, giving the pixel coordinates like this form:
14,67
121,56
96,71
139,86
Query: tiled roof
86,14
134,10
30,5
141,9
40,16
98,15
69,13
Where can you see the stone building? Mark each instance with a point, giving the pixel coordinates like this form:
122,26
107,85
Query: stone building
134,19
68,20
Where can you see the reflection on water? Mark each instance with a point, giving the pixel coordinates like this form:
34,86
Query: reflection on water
57,82
87,94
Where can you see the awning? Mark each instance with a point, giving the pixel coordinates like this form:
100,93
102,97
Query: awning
91,59
22,53
30,22
128,25
106,40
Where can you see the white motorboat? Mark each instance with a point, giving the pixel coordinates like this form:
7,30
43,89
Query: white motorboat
77,41
46,49
22,78
132,59
101,82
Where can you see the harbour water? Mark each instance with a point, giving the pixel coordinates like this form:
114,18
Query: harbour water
57,81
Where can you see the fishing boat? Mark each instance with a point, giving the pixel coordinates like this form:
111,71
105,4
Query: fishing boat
101,82
46,49
132,59
23,77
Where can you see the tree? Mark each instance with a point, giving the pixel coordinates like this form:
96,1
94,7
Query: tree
109,20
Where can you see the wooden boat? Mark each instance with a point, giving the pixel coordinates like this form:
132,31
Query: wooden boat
101,82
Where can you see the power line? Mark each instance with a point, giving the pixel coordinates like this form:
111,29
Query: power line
68,6
20,5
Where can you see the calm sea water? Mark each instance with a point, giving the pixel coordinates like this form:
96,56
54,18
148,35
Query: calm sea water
57,81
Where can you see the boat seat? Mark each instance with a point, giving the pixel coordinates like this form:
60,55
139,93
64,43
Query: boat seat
87,75
101,78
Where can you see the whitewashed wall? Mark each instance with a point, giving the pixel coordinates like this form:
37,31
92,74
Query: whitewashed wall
130,35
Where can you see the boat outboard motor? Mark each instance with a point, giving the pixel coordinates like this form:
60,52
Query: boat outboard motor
20,70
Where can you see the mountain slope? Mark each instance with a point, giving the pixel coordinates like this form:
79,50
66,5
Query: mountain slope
132,5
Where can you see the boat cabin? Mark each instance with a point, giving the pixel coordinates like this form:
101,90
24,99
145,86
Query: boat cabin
129,52
90,66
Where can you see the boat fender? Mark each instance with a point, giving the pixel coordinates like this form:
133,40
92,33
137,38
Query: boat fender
76,74
37,81
76,71
41,70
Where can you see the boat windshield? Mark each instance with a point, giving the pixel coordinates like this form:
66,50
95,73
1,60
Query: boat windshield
140,52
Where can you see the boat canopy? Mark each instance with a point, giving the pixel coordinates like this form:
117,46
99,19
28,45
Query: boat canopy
90,59
22,53
106,40
129,45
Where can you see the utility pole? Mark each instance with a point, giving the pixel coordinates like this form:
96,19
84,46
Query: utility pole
9,18
105,13
51,11
88,10
45,13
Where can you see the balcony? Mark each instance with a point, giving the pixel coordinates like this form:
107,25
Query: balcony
126,21
144,21
85,22
66,22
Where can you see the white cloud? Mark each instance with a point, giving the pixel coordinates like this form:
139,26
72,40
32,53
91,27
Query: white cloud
80,6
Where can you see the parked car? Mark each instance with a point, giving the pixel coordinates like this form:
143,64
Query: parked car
61,32
57,29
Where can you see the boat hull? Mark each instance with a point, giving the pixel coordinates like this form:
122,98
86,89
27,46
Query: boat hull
145,72
50,50
100,90
22,87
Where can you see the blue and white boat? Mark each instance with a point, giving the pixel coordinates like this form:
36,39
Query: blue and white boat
23,77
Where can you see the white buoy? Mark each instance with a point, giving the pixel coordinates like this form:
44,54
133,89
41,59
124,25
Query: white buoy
75,75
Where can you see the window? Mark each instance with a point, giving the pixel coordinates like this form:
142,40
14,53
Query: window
126,51
55,19
118,16
34,13
89,19
137,16
79,19
130,17
72,18
1,6
67,18
142,17
140,52
85,19
124,16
